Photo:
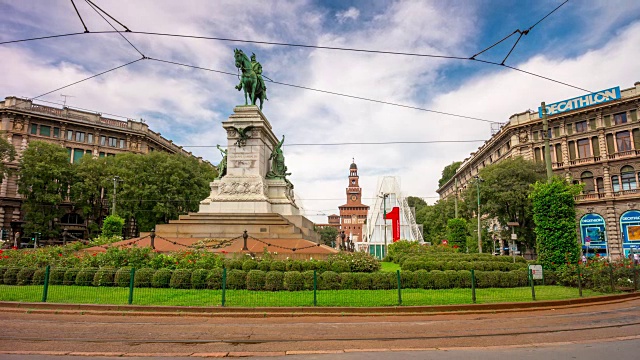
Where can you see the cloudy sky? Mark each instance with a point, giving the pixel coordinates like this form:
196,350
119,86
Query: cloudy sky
589,44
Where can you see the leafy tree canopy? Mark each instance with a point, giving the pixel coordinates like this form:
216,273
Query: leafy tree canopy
328,235
448,172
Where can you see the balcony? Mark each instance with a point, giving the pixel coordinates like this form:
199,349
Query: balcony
590,196
626,192
624,154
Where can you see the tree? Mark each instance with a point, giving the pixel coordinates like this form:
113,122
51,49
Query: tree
45,174
457,232
8,152
448,172
416,202
555,219
504,195
434,219
112,226
328,235
90,181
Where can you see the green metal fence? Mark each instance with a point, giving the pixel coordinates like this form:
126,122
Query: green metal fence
236,288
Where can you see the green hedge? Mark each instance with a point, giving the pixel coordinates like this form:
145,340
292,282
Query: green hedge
11,276
85,276
143,277
123,277
104,277
25,275
180,279
56,276
199,278
256,279
161,278
414,264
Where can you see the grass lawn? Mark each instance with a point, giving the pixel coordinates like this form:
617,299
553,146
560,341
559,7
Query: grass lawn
246,298
389,267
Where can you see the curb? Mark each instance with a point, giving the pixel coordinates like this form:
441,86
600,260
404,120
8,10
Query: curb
136,310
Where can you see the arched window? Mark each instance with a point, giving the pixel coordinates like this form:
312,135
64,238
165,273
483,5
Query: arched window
587,179
72,218
628,178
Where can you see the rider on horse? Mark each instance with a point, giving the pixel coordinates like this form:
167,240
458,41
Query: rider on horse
257,68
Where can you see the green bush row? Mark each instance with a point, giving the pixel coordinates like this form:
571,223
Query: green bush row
400,259
413,265
269,280
339,264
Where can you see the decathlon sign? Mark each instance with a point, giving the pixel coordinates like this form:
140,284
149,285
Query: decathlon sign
598,97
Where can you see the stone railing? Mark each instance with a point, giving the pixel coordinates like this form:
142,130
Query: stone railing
623,154
626,192
589,196
113,122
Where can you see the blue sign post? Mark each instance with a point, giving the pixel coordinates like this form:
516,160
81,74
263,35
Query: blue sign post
592,233
630,228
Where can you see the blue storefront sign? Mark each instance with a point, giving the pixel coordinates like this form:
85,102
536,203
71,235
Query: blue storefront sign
630,227
597,97
592,231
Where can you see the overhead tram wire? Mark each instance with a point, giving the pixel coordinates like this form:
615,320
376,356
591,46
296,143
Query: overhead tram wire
96,7
332,92
79,16
360,143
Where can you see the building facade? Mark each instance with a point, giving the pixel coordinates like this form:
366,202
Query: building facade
594,140
80,132
353,214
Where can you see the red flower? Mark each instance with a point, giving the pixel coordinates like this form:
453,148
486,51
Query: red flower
14,247
59,254
1,251
94,254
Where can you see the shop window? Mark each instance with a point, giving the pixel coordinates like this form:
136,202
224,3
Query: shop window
34,129
623,140
79,136
615,183
619,119
628,178
587,179
600,185
45,130
581,126
56,132
584,149
113,141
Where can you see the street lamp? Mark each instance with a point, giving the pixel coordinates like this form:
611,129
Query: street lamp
116,179
478,181
384,218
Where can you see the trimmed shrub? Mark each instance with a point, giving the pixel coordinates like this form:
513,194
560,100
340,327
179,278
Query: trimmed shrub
236,279
322,266
123,276
11,276
347,281
308,265
296,265
423,280
256,280
307,277
24,276
384,280
2,270
70,276
294,281
235,264
264,265
56,276
38,276
329,280
143,277
363,281
249,265
214,280
180,279
161,278
199,278
340,266
104,276
409,280
277,265
439,279
274,281
85,276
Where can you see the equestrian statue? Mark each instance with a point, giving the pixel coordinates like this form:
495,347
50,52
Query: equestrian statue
251,81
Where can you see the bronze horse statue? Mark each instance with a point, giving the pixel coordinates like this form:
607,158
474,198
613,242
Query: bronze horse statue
249,81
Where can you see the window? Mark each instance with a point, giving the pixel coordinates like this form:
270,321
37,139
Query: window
112,141
581,126
623,140
45,130
34,129
559,153
103,140
628,178
69,135
90,138
79,136
88,152
56,132
101,154
584,149
77,155
600,185
587,179
620,118
499,152
615,183
121,143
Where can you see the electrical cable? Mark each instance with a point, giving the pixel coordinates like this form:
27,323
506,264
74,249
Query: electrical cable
91,4
552,11
513,47
358,143
106,13
82,21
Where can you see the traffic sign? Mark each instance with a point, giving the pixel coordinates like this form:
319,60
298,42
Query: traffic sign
514,236
536,271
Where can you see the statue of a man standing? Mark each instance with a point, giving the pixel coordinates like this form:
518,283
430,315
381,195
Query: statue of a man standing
222,166
257,68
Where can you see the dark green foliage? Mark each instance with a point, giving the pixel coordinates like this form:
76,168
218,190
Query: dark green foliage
234,264
104,277
277,265
180,279
249,265
112,226
293,281
555,219
38,276
56,275
329,280
413,264
328,235
161,278
408,279
448,172
347,280
24,276
123,277
143,277
295,265
70,276
356,261
322,266
2,271
423,280
236,279
274,281
199,278
214,280
340,266
85,276
256,280
308,279
308,265
457,232
264,265
384,280
11,276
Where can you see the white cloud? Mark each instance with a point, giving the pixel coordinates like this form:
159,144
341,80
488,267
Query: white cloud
349,14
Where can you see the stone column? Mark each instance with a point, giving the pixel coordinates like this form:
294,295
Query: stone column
614,242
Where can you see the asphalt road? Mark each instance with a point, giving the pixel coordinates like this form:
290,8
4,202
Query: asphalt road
613,326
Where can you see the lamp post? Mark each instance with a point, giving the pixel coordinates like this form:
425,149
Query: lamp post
478,181
116,179
384,218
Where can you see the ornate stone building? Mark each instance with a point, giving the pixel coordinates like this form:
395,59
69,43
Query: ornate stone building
80,132
594,140
353,214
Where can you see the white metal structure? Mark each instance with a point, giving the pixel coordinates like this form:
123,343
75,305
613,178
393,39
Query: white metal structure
376,226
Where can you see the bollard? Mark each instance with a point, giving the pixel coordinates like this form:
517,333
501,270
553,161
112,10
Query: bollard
45,289
131,278
224,285
533,289
579,280
473,286
315,288
399,288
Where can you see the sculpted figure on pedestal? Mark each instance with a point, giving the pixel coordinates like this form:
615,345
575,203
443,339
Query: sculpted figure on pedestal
222,166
